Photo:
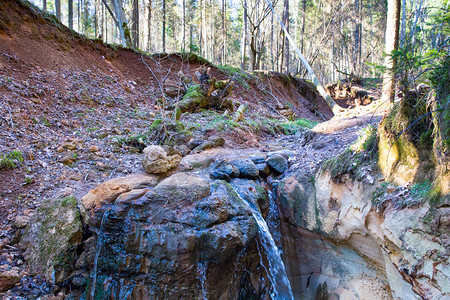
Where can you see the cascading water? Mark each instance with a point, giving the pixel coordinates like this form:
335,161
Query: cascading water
276,271
98,248
201,267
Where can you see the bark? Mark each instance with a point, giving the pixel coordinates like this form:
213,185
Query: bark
136,23
58,9
244,36
392,37
149,23
44,5
183,43
224,40
70,14
164,27
286,23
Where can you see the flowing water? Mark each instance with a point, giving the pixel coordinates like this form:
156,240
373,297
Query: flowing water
201,267
276,269
98,249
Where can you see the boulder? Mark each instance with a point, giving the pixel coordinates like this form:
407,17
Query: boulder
107,192
246,167
278,163
159,242
264,169
212,142
50,238
156,161
183,149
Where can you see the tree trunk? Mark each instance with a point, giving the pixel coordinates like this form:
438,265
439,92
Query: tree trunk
224,41
44,5
70,14
121,22
204,32
244,36
135,24
286,42
403,26
86,17
183,43
58,9
149,23
392,35
164,27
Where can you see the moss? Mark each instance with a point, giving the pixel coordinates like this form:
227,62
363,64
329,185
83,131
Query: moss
193,58
291,127
69,201
156,123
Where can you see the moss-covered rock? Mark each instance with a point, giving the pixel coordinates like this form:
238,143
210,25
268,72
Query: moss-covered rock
50,239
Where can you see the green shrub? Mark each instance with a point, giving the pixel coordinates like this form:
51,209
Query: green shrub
11,160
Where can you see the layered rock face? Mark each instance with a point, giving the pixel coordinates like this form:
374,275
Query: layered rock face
339,246
185,238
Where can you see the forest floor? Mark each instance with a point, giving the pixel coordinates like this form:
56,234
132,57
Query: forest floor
70,105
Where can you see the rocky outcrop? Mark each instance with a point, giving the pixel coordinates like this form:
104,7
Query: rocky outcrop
175,241
338,243
51,237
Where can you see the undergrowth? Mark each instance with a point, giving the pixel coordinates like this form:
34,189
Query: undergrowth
11,160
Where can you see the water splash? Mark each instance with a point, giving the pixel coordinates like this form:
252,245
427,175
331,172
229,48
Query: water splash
276,271
98,249
201,268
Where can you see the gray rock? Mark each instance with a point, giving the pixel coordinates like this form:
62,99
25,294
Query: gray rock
194,143
264,169
258,159
158,238
278,163
246,167
50,238
183,149
171,150
219,175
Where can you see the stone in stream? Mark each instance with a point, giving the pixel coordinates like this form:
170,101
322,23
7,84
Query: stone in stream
264,169
278,163
154,240
258,159
246,167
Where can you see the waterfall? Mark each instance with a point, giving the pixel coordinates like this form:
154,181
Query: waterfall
276,271
98,249
201,267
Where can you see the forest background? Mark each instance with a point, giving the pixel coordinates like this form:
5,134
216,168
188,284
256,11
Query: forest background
338,38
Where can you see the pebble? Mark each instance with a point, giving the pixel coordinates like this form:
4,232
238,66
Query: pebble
94,149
